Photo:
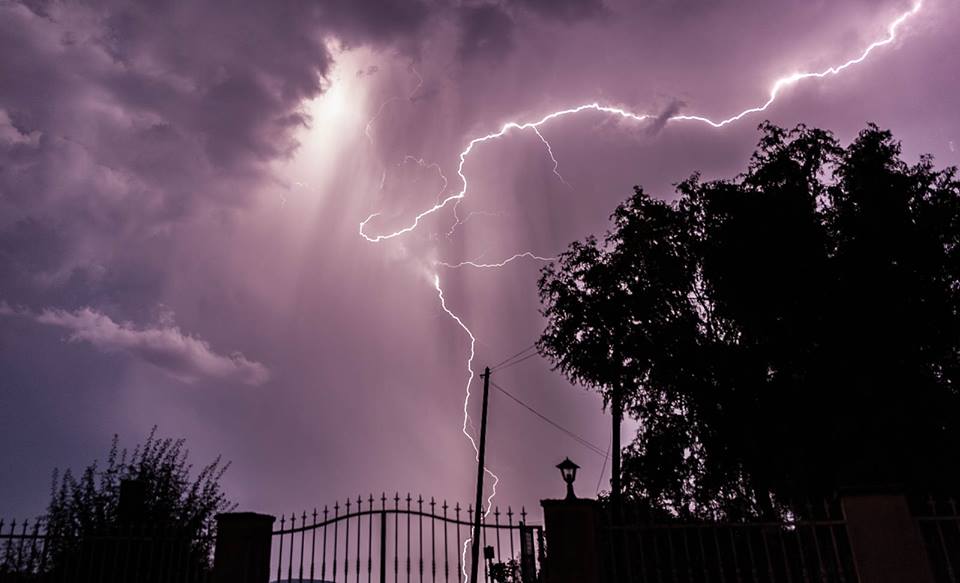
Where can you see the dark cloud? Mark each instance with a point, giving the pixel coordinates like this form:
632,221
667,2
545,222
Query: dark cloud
377,22
657,124
564,10
486,32
143,146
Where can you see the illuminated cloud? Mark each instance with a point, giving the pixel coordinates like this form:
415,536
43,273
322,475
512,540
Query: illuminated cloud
182,356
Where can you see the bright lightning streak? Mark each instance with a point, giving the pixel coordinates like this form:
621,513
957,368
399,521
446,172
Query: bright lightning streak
556,165
466,417
466,400
796,77
494,265
457,197
775,90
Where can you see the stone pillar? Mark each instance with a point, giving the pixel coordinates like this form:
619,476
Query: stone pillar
572,549
242,553
885,539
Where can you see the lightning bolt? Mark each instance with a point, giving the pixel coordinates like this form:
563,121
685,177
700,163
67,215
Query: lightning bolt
556,165
493,265
427,165
367,129
466,416
775,91
471,214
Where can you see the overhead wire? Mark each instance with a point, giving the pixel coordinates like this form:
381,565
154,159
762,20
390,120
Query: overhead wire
515,362
594,448
509,358
603,468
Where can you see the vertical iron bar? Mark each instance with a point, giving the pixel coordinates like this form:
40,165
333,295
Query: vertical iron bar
943,545
766,552
733,548
657,558
483,530
359,528
336,538
323,557
716,545
370,540
816,541
750,555
458,550
383,543
303,536
433,540
686,552
510,530
828,515
787,564
496,517
396,537
408,536
346,545
283,521
313,544
420,532
673,555
703,555
803,561
23,535
293,525
446,552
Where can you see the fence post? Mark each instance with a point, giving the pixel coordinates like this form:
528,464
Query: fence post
573,554
885,539
242,552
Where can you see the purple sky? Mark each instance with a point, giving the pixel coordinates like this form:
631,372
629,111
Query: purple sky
182,183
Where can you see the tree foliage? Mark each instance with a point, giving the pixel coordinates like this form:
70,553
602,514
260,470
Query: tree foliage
87,507
788,332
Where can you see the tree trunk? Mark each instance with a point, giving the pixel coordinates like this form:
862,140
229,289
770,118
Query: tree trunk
616,411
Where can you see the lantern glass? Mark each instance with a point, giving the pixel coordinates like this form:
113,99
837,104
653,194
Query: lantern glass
568,470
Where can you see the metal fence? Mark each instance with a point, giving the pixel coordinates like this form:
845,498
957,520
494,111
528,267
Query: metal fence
401,539
940,529
812,549
147,553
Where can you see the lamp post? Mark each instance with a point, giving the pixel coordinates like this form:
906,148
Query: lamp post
568,470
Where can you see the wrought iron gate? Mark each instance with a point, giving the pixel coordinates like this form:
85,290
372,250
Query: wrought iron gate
408,540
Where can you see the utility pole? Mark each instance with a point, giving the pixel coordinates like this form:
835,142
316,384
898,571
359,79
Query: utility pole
478,508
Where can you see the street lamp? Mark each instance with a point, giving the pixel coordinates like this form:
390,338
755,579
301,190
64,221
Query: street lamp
568,470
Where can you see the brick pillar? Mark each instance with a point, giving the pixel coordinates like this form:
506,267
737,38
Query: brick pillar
572,549
242,553
885,540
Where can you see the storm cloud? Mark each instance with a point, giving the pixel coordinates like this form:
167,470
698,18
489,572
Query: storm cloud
210,159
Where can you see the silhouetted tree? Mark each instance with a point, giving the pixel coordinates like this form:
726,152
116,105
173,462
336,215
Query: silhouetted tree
508,572
170,519
785,333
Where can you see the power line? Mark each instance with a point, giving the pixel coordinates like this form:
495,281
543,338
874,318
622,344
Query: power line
516,362
603,468
595,449
509,358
